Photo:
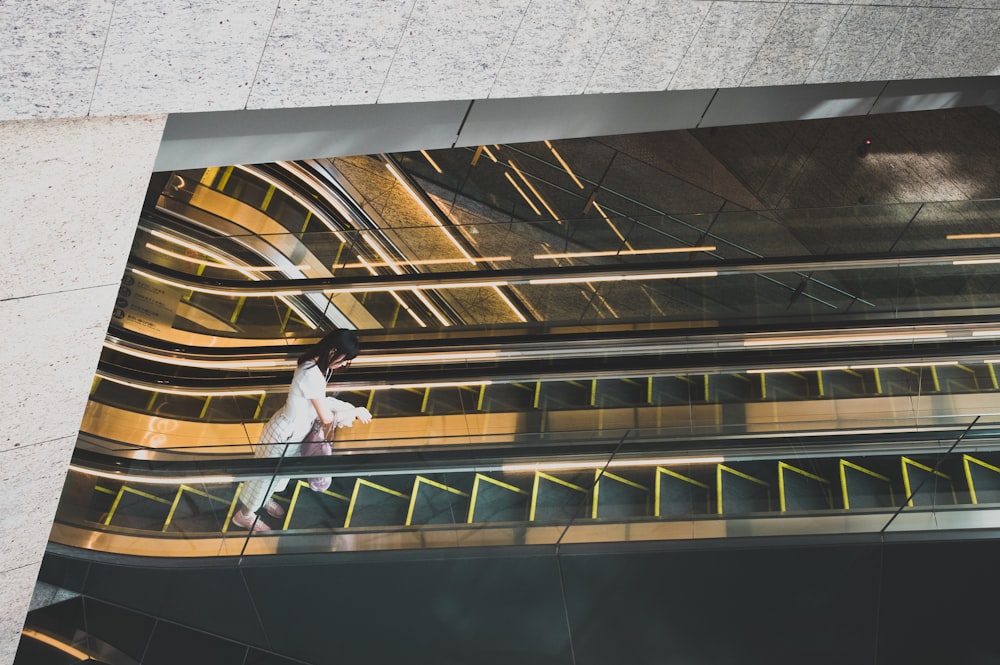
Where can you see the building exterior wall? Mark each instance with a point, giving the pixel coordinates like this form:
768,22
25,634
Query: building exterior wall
74,58
71,192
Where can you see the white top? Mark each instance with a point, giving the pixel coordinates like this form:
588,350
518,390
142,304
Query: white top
308,383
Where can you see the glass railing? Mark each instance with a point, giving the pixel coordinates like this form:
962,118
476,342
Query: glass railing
637,489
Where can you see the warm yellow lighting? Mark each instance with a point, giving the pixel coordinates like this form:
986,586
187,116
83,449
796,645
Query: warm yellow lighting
419,200
391,359
152,480
836,339
523,195
425,262
254,293
68,649
398,386
490,154
431,161
613,226
622,278
214,264
227,263
971,236
532,188
901,365
565,165
169,390
301,200
625,252
399,301
208,364
509,304
785,370
599,464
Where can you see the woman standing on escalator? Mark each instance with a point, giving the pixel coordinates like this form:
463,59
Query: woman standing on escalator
306,402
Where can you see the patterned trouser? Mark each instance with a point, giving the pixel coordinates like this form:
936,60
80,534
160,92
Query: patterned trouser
278,432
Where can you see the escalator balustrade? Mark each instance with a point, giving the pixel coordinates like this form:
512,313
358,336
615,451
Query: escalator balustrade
630,493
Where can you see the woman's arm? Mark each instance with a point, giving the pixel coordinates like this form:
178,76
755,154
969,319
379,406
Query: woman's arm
325,416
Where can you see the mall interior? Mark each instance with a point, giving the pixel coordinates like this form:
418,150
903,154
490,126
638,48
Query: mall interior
678,327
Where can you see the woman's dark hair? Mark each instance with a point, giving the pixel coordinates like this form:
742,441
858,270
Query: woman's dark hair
339,342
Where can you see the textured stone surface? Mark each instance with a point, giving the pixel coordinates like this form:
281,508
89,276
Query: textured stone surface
49,56
799,38
328,54
454,59
15,594
661,31
49,362
726,44
905,52
854,35
71,195
195,55
557,48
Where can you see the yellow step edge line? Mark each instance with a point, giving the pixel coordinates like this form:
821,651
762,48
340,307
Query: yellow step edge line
782,466
722,467
906,479
660,471
121,493
844,464
292,503
416,487
475,492
966,459
559,481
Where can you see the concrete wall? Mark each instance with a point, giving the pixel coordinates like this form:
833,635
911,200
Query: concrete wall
71,192
73,58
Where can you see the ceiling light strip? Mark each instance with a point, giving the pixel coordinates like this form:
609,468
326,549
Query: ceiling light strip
434,218
626,252
564,165
835,339
532,188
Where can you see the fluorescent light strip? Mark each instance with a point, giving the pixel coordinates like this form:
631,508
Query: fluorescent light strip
969,262
218,292
425,358
419,200
234,266
796,369
971,236
523,195
152,480
304,202
213,264
443,287
802,341
611,224
208,364
892,365
623,278
168,390
56,643
399,271
425,262
516,311
399,301
532,188
626,252
565,165
613,464
347,387
490,154
985,333
431,161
